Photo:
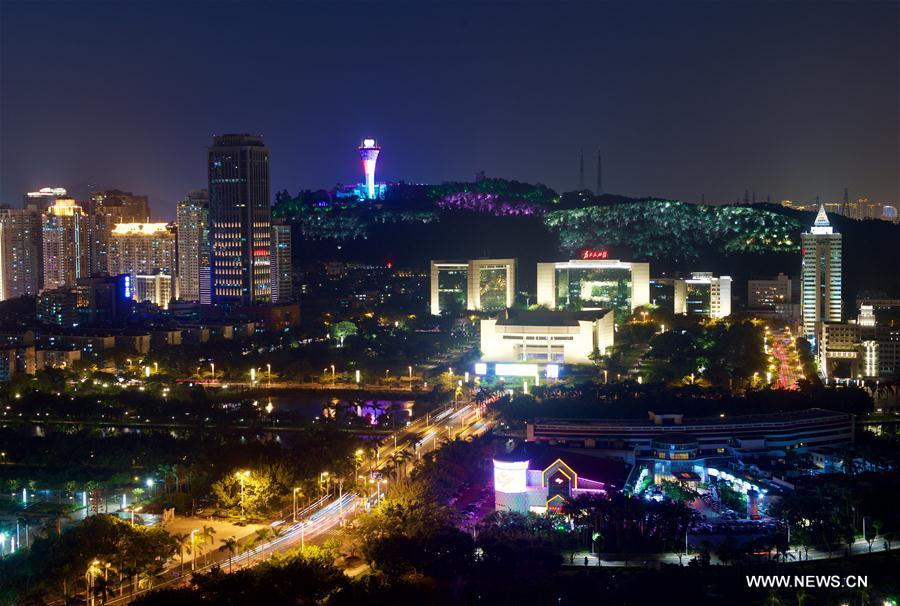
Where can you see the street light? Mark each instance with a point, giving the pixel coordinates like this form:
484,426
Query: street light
242,475
193,550
295,503
212,366
269,374
332,375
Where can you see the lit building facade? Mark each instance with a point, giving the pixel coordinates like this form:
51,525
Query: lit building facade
476,285
282,277
65,257
594,284
706,295
820,275
192,222
108,209
240,220
546,336
157,288
538,480
142,249
21,252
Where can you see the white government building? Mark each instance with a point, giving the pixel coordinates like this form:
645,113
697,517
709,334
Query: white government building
564,337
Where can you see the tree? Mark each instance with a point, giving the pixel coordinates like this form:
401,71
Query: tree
342,330
229,546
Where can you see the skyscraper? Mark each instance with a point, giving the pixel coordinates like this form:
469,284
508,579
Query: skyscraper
146,252
63,244
192,219
239,219
282,283
109,208
368,152
142,248
21,252
820,275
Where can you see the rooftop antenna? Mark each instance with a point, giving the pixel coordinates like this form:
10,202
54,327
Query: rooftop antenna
581,171
599,174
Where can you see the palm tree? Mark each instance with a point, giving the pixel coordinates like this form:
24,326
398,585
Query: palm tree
230,546
262,536
13,486
182,539
207,535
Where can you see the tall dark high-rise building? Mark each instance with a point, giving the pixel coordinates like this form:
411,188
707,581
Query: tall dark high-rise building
240,220
282,279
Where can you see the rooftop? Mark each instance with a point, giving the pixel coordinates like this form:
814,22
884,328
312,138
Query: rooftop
521,317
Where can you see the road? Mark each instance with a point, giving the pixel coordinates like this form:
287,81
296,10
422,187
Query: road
577,559
783,355
419,437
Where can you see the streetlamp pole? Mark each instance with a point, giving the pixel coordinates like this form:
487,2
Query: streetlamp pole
295,503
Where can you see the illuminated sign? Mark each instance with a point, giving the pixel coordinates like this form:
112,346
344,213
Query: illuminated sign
516,370
480,369
552,371
127,282
509,476
589,253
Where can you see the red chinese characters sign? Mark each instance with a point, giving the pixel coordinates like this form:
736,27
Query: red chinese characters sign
589,253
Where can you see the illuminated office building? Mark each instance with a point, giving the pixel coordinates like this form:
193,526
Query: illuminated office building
477,285
820,275
594,284
282,279
65,257
240,220
192,221
142,249
706,295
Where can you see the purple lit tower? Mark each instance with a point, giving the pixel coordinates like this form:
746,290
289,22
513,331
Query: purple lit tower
368,151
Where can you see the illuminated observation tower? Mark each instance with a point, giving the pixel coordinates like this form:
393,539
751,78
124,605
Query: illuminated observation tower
368,151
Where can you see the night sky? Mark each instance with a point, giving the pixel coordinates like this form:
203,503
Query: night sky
792,99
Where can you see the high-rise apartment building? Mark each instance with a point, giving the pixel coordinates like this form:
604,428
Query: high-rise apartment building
192,221
240,219
820,275
40,201
108,209
142,249
282,280
21,252
65,255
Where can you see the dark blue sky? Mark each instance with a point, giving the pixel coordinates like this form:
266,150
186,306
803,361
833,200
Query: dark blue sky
793,99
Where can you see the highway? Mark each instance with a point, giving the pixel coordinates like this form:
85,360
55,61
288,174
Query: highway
317,521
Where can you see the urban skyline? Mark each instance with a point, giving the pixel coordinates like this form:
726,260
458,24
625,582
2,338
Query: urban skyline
289,313
641,108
